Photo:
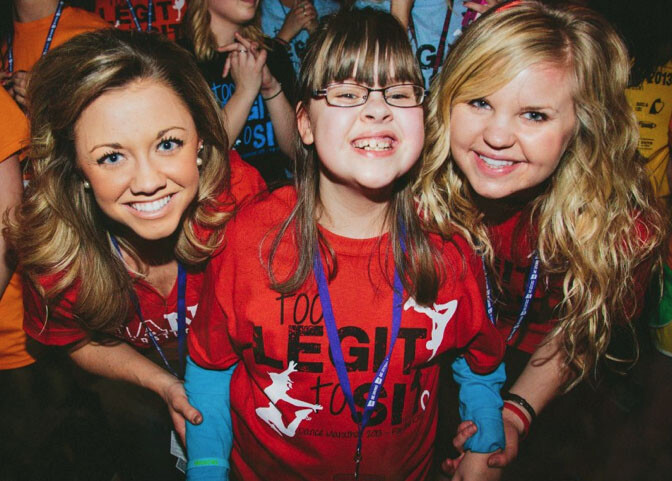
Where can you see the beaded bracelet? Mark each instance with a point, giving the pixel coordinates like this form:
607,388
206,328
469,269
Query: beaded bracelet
522,402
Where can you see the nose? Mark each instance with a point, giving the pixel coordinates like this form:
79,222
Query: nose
499,132
148,177
376,109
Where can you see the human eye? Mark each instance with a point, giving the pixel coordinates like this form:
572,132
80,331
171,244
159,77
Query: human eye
535,116
479,103
346,93
110,158
169,144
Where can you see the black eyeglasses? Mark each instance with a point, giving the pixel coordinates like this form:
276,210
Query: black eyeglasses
353,95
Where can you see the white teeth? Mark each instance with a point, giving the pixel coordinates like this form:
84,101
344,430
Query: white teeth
373,144
495,162
151,206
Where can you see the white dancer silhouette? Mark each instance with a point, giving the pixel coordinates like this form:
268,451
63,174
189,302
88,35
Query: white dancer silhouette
178,5
440,317
281,383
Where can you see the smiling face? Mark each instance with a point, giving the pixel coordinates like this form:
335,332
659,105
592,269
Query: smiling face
137,147
362,149
513,140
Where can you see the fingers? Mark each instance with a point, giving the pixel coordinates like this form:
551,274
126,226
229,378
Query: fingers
227,67
502,459
180,426
449,466
480,7
465,430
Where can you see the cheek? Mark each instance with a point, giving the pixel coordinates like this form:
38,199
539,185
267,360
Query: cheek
414,128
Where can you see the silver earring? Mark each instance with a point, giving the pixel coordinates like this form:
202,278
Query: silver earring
86,184
199,161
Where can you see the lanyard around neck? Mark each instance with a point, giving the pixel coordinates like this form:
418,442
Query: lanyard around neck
181,315
150,15
337,351
442,40
47,43
530,287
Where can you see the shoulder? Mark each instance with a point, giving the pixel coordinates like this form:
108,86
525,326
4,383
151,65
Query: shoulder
269,207
83,20
245,180
13,124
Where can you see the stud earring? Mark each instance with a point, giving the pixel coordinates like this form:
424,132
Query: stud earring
199,161
86,184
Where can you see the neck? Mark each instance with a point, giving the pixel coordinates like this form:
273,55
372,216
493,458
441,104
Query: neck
151,253
223,29
358,216
498,210
31,10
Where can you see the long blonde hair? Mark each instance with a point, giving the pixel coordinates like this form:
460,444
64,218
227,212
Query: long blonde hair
345,43
596,220
197,30
59,230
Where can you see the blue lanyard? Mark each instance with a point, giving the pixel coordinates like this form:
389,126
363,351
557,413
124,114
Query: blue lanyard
47,43
530,287
337,351
181,315
136,21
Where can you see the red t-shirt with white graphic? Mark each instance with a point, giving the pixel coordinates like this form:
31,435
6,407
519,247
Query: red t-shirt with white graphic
58,326
167,14
290,418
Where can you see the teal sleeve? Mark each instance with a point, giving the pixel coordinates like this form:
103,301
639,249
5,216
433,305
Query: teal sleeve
481,402
209,443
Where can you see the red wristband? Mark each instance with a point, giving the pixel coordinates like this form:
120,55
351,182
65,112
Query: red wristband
521,415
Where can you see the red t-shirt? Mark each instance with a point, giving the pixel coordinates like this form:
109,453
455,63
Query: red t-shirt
160,314
290,419
167,14
513,242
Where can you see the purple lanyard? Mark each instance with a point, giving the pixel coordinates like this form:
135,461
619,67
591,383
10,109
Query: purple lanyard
136,21
530,287
442,40
337,352
181,316
47,43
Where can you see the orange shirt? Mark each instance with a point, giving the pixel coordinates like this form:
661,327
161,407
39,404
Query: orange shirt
28,43
29,37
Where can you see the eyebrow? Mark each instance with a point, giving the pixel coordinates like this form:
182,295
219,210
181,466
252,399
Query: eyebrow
528,108
158,136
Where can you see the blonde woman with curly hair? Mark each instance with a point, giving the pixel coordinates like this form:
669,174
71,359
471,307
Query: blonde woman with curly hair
530,154
251,77
131,187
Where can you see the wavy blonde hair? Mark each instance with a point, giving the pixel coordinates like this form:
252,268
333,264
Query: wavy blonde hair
595,219
59,230
197,30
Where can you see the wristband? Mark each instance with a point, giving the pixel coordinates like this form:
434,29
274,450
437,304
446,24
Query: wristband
274,95
519,413
520,401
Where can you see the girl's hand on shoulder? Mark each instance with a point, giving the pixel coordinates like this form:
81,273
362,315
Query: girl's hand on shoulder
302,15
178,406
19,90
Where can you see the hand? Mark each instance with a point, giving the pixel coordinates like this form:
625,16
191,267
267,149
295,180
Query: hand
19,89
6,79
178,406
482,8
402,10
245,63
302,15
474,467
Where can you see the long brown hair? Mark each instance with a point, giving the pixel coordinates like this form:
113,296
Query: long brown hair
596,220
59,230
345,43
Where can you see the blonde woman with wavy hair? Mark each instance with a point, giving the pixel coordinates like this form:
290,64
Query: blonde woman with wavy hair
251,77
131,187
530,154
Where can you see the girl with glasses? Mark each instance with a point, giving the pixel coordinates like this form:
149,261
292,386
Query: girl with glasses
334,299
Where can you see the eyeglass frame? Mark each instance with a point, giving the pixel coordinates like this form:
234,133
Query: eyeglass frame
323,93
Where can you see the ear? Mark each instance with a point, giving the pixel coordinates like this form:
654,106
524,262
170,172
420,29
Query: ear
303,124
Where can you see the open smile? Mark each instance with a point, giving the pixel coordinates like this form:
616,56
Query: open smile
151,207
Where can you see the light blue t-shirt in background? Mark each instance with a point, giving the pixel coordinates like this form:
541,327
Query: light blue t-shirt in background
273,14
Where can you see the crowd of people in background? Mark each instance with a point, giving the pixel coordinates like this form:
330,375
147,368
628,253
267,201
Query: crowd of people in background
324,239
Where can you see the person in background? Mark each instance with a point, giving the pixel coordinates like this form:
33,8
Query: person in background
531,150
164,16
252,79
132,183
292,21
